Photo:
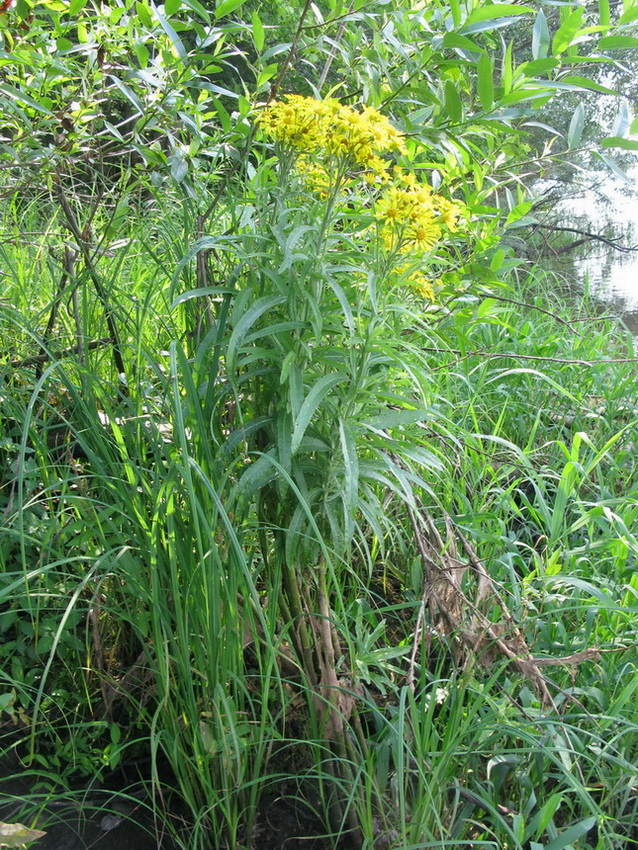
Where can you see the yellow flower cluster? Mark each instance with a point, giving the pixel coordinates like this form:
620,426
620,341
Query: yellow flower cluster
417,281
330,138
317,126
412,216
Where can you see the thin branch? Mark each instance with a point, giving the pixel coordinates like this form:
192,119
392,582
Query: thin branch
549,313
85,250
493,356
333,49
293,49
586,234
19,363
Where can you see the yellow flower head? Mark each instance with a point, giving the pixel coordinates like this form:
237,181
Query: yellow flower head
328,127
412,217
417,282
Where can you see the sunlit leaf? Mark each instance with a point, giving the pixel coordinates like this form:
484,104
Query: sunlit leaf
17,835
565,34
540,36
495,11
619,142
227,7
485,83
576,126
618,42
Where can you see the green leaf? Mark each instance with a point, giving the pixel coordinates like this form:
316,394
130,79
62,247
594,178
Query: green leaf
576,127
584,83
351,473
522,371
547,813
256,477
226,7
460,42
311,403
246,322
196,6
485,83
539,67
172,6
455,8
497,260
453,105
175,40
76,6
243,432
23,99
222,114
142,53
258,31
497,10
179,166
540,37
144,14
395,418
129,94
619,142
284,438
565,33
506,71
568,836
199,293
618,42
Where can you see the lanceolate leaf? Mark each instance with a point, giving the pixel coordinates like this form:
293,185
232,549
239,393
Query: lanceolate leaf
576,126
351,470
618,142
571,834
453,105
566,32
226,7
250,317
312,401
583,83
485,82
495,11
540,37
618,42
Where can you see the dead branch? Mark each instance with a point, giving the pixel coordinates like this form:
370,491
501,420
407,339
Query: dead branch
19,363
454,614
586,236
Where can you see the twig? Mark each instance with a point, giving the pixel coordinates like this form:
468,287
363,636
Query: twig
18,363
333,49
586,235
567,324
83,244
492,355
293,48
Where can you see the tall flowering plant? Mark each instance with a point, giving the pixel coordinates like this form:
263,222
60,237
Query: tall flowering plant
318,387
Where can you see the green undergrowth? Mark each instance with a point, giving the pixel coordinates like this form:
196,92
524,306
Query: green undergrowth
146,614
